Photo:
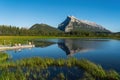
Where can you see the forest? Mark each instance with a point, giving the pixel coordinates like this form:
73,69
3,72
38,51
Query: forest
46,30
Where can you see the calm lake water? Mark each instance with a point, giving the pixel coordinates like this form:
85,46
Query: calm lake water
105,52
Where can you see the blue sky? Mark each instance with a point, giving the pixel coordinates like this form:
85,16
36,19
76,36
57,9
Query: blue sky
25,13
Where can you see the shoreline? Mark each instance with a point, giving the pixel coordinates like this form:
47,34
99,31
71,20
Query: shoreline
3,48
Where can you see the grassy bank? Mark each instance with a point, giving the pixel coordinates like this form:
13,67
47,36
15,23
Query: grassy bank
38,68
11,40
7,40
3,57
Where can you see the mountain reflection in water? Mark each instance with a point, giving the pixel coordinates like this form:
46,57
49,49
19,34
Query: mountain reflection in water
43,43
71,46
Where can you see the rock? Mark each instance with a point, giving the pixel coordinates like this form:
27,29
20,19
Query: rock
71,23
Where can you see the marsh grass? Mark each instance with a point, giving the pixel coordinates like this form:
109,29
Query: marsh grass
11,40
37,68
3,57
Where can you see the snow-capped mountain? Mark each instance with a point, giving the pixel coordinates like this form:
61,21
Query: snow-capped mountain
73,24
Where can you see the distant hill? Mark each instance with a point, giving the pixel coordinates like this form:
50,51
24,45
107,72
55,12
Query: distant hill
44,29
72,24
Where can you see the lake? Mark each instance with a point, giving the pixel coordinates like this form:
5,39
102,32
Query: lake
105,52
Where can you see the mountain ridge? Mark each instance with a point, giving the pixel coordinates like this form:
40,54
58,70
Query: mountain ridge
71,23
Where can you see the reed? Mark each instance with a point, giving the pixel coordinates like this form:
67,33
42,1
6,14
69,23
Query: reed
38,68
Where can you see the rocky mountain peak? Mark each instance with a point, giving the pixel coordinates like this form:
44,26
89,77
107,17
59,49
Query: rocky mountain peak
72,18
71,23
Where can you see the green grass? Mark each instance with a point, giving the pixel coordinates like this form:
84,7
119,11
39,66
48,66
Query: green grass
12,40
33,66
7,40
3,57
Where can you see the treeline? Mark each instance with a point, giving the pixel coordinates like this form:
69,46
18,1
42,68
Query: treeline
13,30
16,31
93,34
45,30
